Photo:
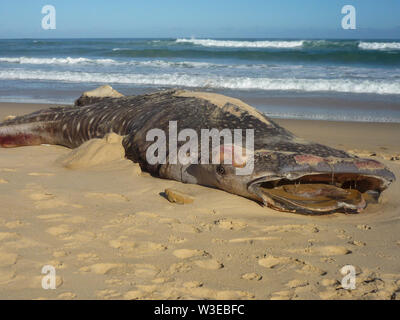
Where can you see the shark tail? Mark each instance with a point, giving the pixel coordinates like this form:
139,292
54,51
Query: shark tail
27,134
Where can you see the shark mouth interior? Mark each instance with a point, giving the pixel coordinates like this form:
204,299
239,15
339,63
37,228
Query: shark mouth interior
320,193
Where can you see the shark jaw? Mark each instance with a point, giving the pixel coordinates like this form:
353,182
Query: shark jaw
319,193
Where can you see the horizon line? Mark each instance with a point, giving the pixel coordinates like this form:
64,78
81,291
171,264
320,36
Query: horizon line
202,38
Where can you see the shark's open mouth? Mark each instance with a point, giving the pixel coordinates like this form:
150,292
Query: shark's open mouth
320,193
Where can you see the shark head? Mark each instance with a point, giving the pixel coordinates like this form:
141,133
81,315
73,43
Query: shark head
301,182
317,184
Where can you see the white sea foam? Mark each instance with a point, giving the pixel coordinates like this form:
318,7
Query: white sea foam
144,63
242,44
379,45
87,61
120,49
67,60
168,64
212,81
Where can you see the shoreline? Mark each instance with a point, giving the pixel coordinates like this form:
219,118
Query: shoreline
341,108
279,102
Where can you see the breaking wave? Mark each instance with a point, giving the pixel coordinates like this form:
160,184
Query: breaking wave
213,81
87,61
379,45
67,60
242,44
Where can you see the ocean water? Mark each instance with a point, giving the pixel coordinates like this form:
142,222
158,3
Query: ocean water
57,71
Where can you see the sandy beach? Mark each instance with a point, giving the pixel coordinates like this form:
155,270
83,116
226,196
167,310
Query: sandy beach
111,234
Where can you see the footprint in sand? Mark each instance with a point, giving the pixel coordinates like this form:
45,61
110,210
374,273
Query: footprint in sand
188,253
210,264
251,276
307,268
328,251
273,262
161,280
60,230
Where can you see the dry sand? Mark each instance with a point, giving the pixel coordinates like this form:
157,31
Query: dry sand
110,233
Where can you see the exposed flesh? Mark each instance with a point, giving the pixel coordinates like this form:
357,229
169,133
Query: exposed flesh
316,197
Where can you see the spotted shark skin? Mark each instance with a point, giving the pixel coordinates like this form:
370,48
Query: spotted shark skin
134,116
277,152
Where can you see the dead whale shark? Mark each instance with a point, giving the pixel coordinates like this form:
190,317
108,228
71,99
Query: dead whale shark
289,173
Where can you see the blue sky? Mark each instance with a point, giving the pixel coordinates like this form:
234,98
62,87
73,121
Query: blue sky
200,18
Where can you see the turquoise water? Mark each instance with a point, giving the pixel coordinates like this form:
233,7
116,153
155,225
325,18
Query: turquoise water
57,70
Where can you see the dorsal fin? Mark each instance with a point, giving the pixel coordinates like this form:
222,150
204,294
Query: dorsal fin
96,95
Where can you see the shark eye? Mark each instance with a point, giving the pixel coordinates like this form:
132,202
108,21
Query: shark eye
220,170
